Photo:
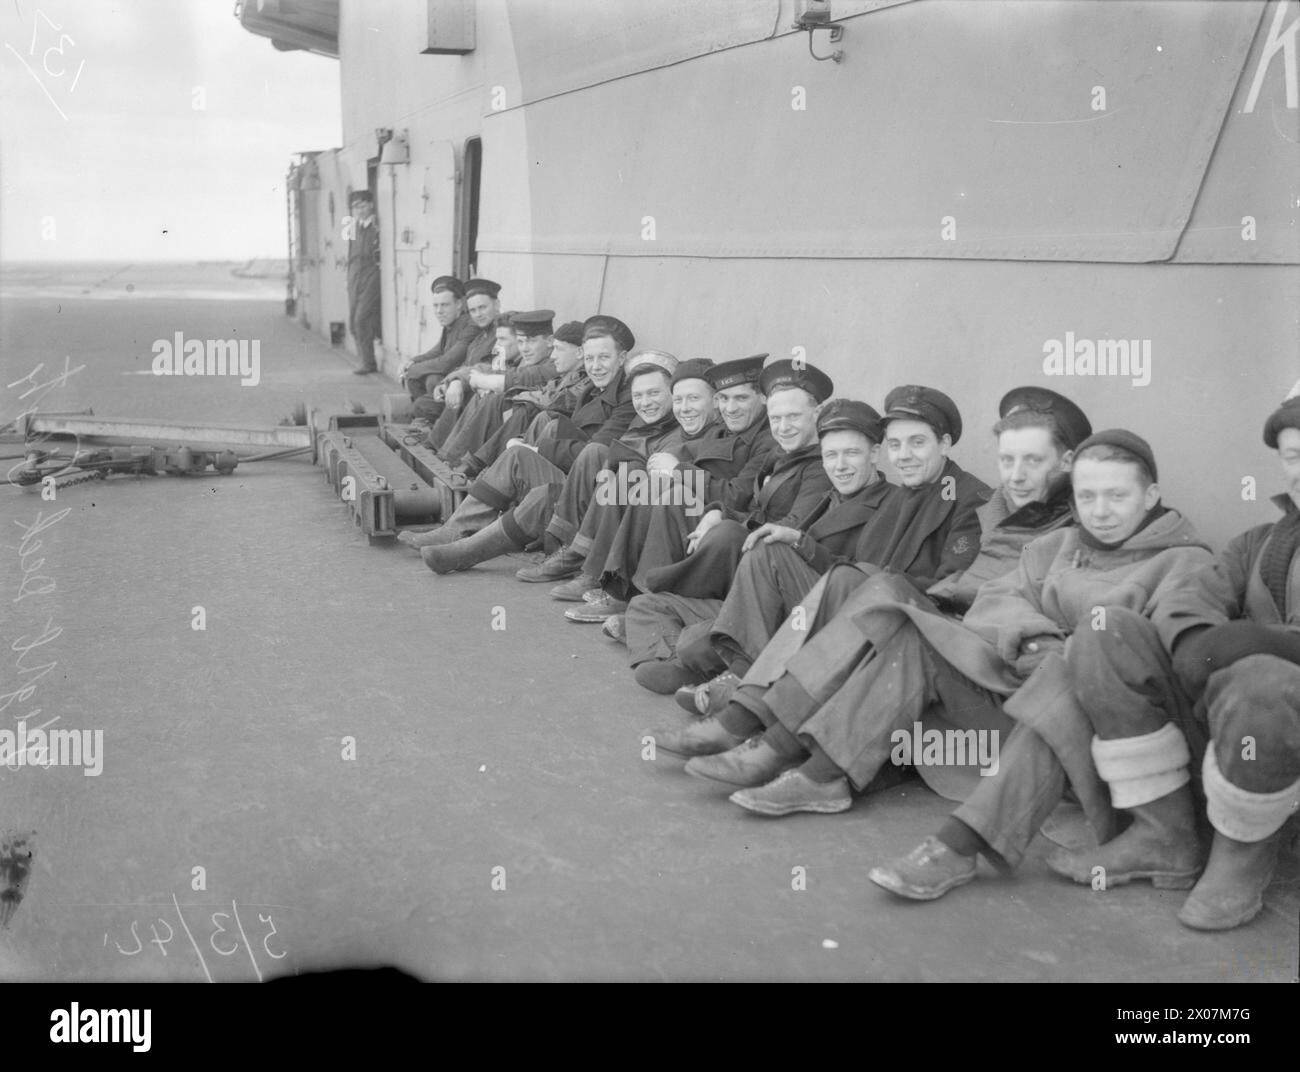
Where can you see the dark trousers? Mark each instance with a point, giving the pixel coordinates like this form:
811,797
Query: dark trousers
457,433
365,325
707,572
664,625
578,492
523,421
770,581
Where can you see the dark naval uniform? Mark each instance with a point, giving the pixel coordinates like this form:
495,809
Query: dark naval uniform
921,533
571,508
478,350
657,534
531,414
448,353
787,489
363,291
686,591
484,414
600,415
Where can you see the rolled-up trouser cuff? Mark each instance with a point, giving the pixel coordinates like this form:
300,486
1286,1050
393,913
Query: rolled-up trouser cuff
512,528
493,497
1143,768
1241,815
563,531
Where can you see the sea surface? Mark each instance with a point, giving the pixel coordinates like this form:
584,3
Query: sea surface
259,279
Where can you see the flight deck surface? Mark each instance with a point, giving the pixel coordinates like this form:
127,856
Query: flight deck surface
498,820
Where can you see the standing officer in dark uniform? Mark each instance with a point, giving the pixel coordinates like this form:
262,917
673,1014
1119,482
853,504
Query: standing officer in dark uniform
363,280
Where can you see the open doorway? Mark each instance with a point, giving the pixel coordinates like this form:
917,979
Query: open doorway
467,261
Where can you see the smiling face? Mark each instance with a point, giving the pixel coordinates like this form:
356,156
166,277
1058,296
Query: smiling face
792,416
692,404
446,307
652,395
482,309
533,349
916,452
739,406
1028,460
849,459
603,359
1111,497
1288,450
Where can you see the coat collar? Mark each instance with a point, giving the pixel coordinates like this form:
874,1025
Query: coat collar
841,512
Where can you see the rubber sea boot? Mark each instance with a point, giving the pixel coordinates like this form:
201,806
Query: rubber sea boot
1247,835
470,516
462,554
1148,776
1231,892
1160,844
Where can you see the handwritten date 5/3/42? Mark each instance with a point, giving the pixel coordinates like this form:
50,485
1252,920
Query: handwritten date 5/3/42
224,938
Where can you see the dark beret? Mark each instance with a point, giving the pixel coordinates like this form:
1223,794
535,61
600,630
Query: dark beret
695,369
846,415
448,282
1287,415
1071,421
913,403
570,332
533,322
360,195
733,373
781,374
482,286
1122,437
612,326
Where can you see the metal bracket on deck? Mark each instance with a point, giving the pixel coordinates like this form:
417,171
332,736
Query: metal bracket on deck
376,482
358,484
451,486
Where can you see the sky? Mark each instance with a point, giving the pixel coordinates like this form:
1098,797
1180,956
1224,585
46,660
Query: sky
148,130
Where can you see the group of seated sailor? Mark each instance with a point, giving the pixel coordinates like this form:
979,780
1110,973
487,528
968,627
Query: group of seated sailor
1065,635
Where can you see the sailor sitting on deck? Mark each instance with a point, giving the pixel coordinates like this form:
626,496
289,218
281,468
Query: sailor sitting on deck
559,444
1036,435
479,397
1232,690
617,528
654,433
928,532
1028,638
529,409
426,371
483,307
725,463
